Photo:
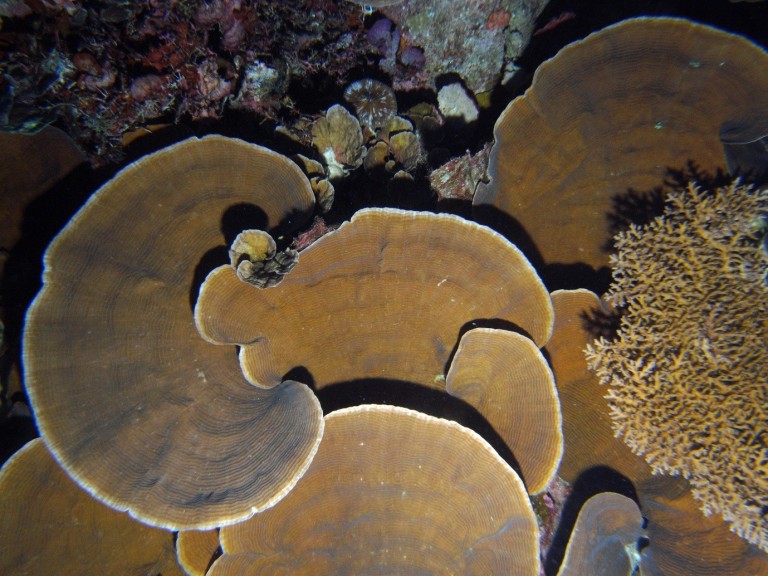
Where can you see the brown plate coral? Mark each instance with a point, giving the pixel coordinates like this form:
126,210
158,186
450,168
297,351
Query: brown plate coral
506,378
126,394
133,372
48,526
386,295
611,115
681,539
590,551
393,491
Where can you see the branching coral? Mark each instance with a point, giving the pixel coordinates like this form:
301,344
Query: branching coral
687,371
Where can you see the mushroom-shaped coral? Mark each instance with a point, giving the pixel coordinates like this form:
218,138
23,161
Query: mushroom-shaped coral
49,525
392,491
140,410
386,295
615,112
374,102
692,344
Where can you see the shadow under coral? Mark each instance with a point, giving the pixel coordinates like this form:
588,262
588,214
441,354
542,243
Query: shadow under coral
432,402
591,482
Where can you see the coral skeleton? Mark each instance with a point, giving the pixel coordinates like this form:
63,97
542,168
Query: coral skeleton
687,371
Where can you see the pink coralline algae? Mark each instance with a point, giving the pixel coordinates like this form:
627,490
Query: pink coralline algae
498,20
413,57
548,507
317,230
383,36
229,17
474,40
210,83
458,178
104,69
400,58
147,87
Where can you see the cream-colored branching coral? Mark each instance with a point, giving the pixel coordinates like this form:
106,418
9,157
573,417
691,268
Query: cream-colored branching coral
688,370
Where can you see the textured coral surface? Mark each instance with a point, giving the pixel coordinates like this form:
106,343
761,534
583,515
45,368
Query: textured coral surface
125,79
102,69
687,373
471,39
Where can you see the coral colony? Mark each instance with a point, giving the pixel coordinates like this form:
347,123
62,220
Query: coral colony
338,326
692,337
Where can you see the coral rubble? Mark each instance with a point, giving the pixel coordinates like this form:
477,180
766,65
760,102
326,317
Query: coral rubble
102,69
474,40
459,177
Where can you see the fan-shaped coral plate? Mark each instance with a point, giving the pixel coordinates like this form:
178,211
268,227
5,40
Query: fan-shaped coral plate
138,409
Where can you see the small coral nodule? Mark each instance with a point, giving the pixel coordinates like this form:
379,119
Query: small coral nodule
374,102
687,370
255,257
338,137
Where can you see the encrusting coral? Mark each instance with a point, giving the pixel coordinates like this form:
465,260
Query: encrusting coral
687,371
338,137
